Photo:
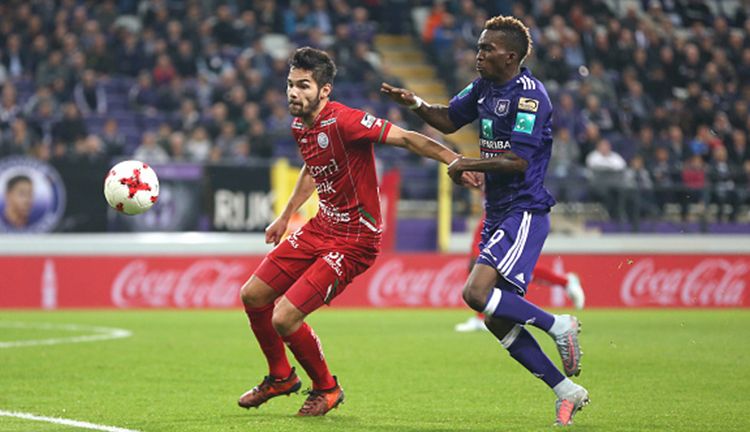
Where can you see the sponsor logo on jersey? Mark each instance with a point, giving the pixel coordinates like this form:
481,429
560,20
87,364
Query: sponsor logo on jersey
520,278
298,125
368,120
528,104
487,129
327,122
332,213
502,108
322,140
466,90
524,123
323,170
325,187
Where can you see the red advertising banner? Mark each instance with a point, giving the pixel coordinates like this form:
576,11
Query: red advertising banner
396,280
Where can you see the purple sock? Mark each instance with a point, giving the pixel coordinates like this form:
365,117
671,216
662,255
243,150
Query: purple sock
511,306
525,350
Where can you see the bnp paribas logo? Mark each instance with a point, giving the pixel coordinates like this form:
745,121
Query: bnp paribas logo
487,129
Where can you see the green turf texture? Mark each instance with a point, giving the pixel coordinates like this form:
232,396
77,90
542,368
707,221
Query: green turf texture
402,371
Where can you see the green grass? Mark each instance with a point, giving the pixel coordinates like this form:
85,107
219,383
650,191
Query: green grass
402,370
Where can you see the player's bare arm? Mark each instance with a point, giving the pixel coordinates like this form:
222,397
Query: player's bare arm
302,190
507,163
435,115
427,147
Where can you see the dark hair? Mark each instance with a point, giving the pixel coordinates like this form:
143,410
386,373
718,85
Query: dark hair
515,33
15,180
317,61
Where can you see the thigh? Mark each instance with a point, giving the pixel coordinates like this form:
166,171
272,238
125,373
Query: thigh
327,278
288,261
513,248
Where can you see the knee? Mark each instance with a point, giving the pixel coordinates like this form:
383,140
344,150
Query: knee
284,322
252,296
475,296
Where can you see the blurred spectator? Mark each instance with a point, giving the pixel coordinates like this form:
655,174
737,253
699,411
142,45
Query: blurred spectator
9,109
113,142
149,151
638,199
177,150
89,95
722,176
19,140
694,184
198,147
68,130
14,57
142,95
607,168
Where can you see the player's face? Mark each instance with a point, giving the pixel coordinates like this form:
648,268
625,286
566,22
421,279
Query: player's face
494,60
20,198
303,94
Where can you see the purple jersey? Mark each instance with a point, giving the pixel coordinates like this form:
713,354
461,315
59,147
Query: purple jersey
515,116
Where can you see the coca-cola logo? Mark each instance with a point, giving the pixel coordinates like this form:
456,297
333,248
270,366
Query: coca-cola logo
204,283
393,285
711,282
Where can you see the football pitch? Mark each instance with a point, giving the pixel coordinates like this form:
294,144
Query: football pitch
401,370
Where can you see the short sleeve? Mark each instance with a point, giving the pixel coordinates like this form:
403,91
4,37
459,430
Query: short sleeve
360,127
462,109
530,112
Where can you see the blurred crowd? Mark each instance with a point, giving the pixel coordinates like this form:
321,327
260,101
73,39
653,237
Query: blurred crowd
651,99
175,81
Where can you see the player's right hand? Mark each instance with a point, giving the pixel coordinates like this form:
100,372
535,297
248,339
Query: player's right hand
399,95
275,232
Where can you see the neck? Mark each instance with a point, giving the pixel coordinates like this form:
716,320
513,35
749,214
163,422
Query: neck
504,78
309,119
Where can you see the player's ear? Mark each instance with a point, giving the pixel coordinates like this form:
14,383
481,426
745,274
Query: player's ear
326,90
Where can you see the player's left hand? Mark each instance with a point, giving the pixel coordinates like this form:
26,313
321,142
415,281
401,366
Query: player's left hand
456,170
472,179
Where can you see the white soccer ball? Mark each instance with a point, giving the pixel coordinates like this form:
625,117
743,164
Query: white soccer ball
131,187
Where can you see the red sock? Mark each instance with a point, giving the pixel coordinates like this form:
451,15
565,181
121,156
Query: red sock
306,347
543,274
270,342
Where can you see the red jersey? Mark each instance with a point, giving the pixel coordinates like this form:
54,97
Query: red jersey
338,152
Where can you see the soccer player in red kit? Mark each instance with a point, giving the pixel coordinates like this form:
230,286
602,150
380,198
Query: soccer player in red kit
315,263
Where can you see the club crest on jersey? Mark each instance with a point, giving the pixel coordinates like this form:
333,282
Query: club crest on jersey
528,104
502,108
322,140
368,121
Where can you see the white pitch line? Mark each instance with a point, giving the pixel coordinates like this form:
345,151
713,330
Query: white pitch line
101,333
62,421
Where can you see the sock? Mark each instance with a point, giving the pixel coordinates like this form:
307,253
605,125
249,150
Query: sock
525,350
270,342
565,388
541,273
306,347
511,306
561,323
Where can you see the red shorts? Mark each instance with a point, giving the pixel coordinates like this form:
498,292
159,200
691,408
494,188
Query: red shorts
311,269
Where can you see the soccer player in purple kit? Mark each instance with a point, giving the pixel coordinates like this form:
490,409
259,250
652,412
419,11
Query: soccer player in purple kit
515,117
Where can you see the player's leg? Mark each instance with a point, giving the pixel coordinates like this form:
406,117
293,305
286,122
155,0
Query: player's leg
507,261
320,284
522,346
272,278
570,281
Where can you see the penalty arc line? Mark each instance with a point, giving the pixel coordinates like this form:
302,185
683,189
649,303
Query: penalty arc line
100,334
62,421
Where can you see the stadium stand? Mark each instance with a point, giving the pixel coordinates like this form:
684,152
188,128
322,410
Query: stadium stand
651,96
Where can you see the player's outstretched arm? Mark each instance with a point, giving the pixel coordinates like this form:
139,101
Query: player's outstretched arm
435,115
302,191
427,147
506,163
